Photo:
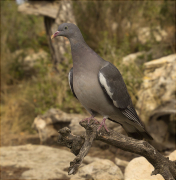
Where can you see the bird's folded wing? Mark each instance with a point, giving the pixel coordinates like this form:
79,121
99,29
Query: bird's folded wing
111,80
70,80
113,84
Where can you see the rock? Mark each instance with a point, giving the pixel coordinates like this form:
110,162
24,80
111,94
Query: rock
28,62
75,126
139,168
172,156
20,1
43,8
47,125
33,59
120,162
43,162
88,159
162,124
99,169
132,57
144,34
65,13
158,90
152,65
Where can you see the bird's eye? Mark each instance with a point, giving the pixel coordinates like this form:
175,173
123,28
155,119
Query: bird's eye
66,27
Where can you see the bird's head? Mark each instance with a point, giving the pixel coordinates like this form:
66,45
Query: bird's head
69,30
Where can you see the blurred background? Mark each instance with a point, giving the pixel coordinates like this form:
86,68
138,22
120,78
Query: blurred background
138,37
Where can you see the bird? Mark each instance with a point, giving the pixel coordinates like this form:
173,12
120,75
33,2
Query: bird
99,86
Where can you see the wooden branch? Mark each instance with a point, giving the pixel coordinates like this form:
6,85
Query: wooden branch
80,146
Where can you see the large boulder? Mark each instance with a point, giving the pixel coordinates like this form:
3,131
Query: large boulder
47,125
158,85
41,162
98,170
156,102
140,169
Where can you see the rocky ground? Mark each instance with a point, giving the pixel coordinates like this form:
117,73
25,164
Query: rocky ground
43,162
15,145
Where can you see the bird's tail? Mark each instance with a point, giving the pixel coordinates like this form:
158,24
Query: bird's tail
135,131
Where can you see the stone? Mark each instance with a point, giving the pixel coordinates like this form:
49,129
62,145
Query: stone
158,85
47,125
32,60
65,13
98,170
132,57
120,162
172,156
29,59
139,168
43,8
43,162
75,127
144,34
89,159
156,99
162,122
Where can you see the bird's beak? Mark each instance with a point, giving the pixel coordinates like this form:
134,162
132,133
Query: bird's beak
55,34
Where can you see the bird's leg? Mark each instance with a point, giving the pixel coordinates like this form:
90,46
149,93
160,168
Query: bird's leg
89,118
103,124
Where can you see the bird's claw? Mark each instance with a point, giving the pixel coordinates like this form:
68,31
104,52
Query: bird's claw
103,124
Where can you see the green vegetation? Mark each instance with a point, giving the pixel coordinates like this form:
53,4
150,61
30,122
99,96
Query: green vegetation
108,27
121,21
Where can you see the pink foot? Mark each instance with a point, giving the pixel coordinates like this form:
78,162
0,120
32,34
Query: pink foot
89,118
103,124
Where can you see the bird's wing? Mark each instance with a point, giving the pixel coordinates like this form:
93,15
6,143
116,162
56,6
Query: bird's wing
113,84
70,80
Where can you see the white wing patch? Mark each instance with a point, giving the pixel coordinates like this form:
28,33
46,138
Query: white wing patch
104,84
107,88
69,74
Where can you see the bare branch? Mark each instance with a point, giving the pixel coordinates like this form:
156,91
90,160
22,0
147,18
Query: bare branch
80,146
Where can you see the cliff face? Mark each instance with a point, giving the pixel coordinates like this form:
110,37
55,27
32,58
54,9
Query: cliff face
158,85
156,102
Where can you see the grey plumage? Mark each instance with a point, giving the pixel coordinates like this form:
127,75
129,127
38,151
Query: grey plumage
99,86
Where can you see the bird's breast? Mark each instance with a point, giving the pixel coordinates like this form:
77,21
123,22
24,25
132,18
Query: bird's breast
84,83
89,92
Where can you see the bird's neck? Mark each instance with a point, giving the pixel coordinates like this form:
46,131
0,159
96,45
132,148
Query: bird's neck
77,45
77,38
77,42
